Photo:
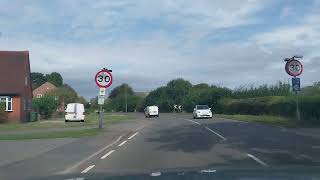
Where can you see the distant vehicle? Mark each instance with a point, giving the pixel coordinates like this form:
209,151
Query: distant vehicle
74,112
202,111
151,111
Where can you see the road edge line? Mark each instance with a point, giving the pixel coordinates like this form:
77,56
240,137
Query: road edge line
87,169
257,160
219,135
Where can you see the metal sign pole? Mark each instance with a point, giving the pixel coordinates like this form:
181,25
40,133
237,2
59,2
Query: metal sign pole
297,107
100,117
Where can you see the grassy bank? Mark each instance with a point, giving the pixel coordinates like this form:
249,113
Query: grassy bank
48,129
271,120
91,119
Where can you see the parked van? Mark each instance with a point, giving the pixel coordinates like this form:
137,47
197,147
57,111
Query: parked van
74,112
151,111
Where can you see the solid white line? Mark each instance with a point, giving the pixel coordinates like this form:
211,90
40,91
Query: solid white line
87,169
122,143
68,170
133,135
193,121
216,133
257,160
108,154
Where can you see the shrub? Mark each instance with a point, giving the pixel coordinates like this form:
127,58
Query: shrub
45,105
3,114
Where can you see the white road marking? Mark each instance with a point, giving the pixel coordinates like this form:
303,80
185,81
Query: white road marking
155,174
87,169
68,170
121,144
139,128
108,154
220,136
75,179
208,171
193,121
257,160
133,135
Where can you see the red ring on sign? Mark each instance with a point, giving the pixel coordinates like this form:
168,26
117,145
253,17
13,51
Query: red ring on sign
110,82
288,71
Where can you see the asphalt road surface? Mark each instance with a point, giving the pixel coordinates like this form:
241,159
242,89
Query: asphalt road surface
172,143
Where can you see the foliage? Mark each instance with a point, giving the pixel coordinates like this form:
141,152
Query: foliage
65,94
118,103
37,79
274,105
3,114
55,78
279,89
121,90
45,105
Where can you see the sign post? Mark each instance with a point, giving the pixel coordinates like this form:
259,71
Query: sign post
103,80
295,68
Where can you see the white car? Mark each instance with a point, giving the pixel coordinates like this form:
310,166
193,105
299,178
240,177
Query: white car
74,112
202,111
151,111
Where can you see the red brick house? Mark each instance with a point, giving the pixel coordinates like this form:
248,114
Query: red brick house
43,89
15,84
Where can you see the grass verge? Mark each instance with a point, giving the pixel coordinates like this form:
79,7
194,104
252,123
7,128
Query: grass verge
52,135
266,119
91,119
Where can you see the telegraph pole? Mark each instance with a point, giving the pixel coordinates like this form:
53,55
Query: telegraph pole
126,98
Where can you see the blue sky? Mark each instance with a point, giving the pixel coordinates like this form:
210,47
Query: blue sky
147,43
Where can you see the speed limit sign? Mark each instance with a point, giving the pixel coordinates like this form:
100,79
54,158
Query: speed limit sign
294,68
103,78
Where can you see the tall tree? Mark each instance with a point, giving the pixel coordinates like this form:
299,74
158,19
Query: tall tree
55,78
178,89
123,89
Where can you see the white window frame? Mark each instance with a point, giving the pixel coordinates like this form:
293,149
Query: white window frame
8,100
39,96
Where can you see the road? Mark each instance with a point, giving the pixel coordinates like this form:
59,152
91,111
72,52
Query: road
171,143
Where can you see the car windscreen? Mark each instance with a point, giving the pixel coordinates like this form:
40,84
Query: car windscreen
203,107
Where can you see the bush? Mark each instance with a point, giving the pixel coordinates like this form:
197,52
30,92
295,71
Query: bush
45,106
274,105
3,114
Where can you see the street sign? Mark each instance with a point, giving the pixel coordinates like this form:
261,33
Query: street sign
295,84
102,92
103,78
294,67
101,100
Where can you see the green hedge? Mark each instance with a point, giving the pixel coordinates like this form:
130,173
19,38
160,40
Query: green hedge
274,105
3,115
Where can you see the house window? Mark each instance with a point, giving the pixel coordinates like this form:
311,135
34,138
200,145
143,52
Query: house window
8,102
29,105
39,95
25,104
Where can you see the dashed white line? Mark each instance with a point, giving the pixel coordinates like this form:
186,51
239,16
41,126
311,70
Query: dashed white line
133,135
193,121
257,160
68,170
87,169
220,136
121,144
108,154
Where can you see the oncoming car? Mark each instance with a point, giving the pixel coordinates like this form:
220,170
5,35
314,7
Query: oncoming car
202,111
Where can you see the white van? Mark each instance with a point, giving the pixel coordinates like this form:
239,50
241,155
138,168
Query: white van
74,112
150,111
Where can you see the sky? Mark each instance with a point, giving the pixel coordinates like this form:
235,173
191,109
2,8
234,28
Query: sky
148,43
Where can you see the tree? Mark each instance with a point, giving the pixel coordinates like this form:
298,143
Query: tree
55,78
3,114
45,105
37,79
121,90
65,94
178,89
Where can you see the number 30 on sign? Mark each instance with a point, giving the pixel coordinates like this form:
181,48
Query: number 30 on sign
103,78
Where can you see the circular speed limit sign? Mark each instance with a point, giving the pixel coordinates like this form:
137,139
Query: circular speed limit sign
103,78
294,68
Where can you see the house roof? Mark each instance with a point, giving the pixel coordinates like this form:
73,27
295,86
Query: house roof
44,88
14,71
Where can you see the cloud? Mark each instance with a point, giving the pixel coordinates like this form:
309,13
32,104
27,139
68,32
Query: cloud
147,43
